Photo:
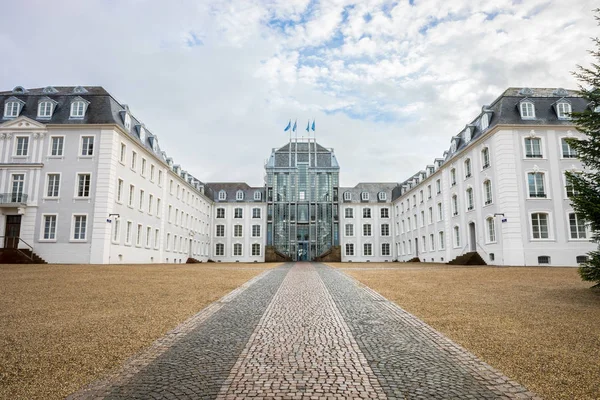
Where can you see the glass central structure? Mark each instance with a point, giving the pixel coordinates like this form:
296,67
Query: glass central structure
302,180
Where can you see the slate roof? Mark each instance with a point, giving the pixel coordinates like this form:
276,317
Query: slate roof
231,188
373,188
504,110
305,151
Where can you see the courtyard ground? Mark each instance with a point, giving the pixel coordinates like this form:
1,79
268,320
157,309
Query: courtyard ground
539,326
62,326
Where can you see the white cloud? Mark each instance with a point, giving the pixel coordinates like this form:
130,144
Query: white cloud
388,85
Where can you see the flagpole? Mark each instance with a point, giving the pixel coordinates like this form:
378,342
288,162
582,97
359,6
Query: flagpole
315,138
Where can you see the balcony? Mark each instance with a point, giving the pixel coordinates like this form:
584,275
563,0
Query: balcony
13,199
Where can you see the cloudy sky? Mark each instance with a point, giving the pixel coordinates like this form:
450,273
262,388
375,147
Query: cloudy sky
388,82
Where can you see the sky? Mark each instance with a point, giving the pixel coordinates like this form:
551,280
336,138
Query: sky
387,82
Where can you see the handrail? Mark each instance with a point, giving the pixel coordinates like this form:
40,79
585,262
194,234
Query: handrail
478,245
4,240
9,198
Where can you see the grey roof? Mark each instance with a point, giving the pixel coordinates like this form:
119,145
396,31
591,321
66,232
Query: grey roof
305,152
231,188
373,188
505,111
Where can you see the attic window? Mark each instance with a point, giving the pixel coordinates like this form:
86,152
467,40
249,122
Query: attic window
45,109
257,195
239,195
222,195
453,146
527,110
49,89
347,196
526,92
79,90
364,196
155,144
12,109
78,108
563,110
467,135
382,196
484,122
127,122
19,90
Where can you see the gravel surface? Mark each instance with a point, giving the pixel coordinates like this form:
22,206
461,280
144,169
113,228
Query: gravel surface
539,326
66,325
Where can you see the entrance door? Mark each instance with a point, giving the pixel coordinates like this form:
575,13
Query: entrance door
12,231
472,240
303,251
416,247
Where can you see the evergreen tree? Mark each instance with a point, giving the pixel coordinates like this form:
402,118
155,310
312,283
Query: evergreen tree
586,185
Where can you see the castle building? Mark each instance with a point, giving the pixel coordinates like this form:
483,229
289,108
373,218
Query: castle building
84,181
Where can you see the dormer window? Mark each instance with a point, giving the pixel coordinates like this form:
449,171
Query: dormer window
527,110
46,108
382,196
453,146
19,90
78,108
155,144
563,110
347,196
484,122
127,122
239,195
12,108
364,196
50,90
467,135
79,90
257,195
222,195
142,134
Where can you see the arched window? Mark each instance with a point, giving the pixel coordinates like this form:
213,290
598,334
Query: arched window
563,110
485,122
239,195
467,135
222,195
12,109
453,177
467,168
491,229
78,109
456,236
487,192
485,157
527,110
454,205
469,196
45,109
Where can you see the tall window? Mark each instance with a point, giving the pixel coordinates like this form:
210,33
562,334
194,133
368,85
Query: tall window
539,225
430,215
367,249
53,185
131,195
239,195
87,145
577,226
366,229
570,189
491,229
533,148
456,236
431,242
79,227
22,148
256,212
138,238
256,248
567,150
237,230
349,212
49,227
255,230
349,229
487,192
467,168
438,186
220,213
440,212
385,213
536,184
441,239
385,230
366,213
453,177
56,145
134,160
144,162
422,218
116,230
454,205
237,249
128,234
485,157
385,249
469,199
220,249
18,183
238,213
123,153
349,249
83,185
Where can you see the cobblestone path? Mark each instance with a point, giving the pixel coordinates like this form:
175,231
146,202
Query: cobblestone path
307,331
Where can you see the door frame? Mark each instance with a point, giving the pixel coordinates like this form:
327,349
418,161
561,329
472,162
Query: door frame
10,241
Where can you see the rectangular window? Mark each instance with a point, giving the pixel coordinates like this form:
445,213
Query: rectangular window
138,239
120,190
422,219
87,146
57,145
148,236
349,229
349,212
128,233
156,238
143,171
569,188
567,150
255,249
441,239
366,229
49,227
456,236
133,160
237,249
123,153
151,172
220,249
131,195
367,249
349,249
430,215
160,177
53,188
220,213
539,225
237,213
255,230
577,226
366,213
79,227
385,230
536,184
116,230
83,185
22,146
256,213
158,207
237,230
385,249
150,203
533,148
141,205
438,186
431,242
385,213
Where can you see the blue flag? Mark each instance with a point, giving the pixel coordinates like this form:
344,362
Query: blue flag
289,125
308,126
295,124
313,125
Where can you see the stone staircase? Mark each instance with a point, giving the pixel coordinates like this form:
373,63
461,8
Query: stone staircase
471,258
20,256
333,254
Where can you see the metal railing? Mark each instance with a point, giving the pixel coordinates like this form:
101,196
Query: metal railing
13,198
18,244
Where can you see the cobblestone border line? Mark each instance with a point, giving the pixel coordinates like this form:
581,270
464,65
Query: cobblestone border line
499,385
100,388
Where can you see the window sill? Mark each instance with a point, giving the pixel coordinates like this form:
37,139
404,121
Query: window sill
57,157
47,240
77,240
51,198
